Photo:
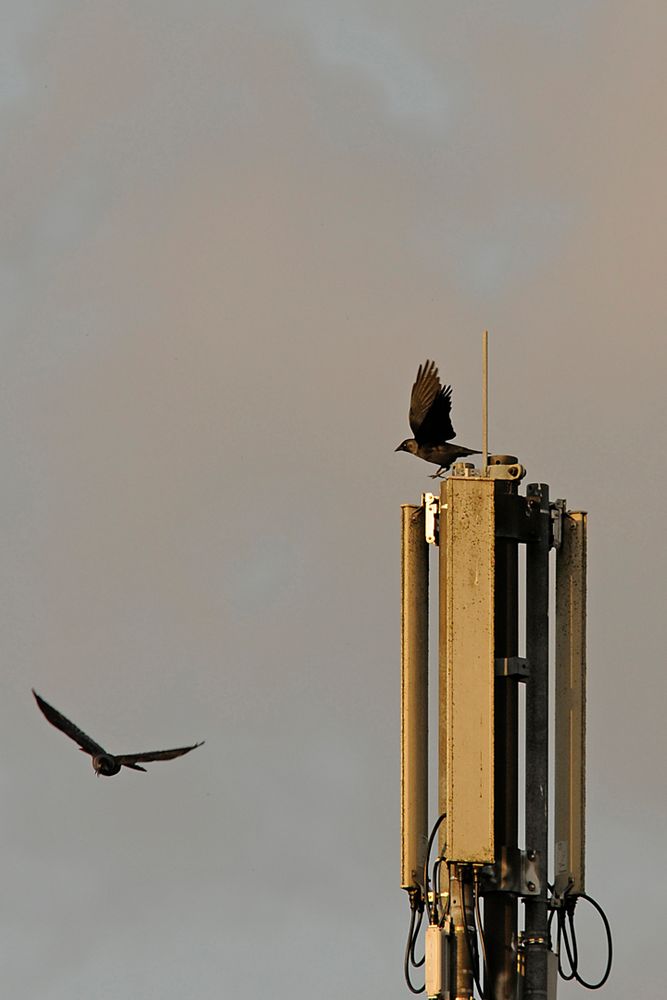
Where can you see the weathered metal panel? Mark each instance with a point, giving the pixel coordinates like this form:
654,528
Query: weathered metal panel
414,696
467,547
570,819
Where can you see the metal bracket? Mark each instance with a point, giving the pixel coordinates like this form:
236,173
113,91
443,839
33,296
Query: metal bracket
517,517
431,505
514,472
465,470
558,509
499,467
512,666
516,872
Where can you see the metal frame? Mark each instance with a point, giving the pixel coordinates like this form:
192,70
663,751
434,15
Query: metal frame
478,524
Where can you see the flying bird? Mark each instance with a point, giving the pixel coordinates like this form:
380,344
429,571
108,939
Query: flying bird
431,422
105,763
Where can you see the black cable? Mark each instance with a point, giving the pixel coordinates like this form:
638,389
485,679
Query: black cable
572,956
570,936
435,878
558,905
417,964
432,914
610,944
480,931
409,948
567,938
472,941
417,903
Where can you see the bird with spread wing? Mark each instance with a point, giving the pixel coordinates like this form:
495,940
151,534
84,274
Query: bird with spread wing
431,422
105,763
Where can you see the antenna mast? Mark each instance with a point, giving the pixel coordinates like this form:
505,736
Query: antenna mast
468,893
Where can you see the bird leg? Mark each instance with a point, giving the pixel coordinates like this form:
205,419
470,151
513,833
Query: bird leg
440,473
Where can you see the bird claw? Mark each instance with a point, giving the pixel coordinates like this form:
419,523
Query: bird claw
439,474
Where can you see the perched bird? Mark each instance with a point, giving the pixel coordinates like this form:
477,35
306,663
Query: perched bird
431,422
105,763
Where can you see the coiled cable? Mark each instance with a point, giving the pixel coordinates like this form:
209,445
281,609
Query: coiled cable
418,901
567,937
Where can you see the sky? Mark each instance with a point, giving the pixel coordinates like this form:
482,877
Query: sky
230,233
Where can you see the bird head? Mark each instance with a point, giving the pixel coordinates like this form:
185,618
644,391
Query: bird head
105,764
408,445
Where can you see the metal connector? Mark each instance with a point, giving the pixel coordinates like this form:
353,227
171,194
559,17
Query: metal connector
512,666
499,467
505,467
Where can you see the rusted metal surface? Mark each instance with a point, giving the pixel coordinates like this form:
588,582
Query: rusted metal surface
414,696
467,560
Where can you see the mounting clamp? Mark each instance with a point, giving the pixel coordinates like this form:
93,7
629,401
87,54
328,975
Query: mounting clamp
431,505
516,873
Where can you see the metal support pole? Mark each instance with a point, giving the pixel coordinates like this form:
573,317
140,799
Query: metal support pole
414,696
570,775
463,921
500,908
536,934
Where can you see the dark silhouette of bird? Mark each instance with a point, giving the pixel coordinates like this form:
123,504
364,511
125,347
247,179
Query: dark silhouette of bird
105,763
431,422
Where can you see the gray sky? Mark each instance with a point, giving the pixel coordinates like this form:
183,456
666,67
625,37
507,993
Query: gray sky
231,231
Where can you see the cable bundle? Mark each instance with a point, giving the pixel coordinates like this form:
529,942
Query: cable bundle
566,934
417,904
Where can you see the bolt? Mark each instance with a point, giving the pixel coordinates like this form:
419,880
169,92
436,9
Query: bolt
531,887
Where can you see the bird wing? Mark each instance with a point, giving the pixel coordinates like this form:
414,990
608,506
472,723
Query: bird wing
68,728
430,407
129,759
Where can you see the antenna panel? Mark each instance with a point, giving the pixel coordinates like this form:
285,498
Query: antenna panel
467,560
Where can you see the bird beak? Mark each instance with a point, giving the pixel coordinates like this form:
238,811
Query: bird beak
400,448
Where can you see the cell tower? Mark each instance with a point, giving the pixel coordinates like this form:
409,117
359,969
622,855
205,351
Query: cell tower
478,523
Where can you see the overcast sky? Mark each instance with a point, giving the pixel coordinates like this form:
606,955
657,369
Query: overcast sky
230,233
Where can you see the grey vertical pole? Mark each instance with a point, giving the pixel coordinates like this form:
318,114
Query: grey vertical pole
536,934
414,696
500,908
570,771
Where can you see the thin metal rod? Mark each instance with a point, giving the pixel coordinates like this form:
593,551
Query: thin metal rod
414,696
485,399
536,935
